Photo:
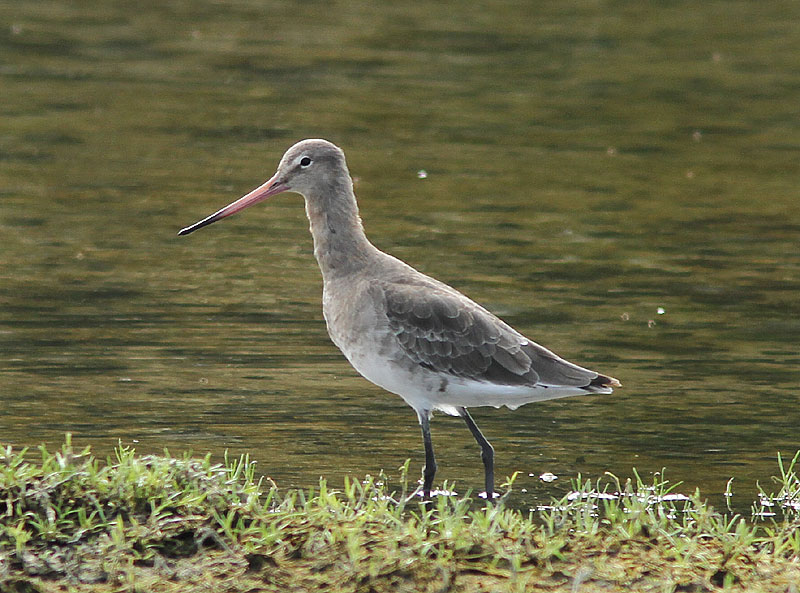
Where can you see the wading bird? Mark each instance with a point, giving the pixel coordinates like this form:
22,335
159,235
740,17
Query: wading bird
405,331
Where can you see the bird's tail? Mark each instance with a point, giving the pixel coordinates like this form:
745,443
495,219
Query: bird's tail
602,384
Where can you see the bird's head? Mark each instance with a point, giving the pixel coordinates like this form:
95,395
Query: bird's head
309,168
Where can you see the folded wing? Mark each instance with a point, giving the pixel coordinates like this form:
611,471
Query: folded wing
444,331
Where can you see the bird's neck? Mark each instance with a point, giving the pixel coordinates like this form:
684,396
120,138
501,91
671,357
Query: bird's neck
340,245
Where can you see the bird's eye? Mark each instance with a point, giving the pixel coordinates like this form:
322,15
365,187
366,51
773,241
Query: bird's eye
305,161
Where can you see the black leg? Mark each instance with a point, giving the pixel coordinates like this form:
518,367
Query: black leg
429,471
487,451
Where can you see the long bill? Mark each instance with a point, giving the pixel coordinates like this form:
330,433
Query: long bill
262,192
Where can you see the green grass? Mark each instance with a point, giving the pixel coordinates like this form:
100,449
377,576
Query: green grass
69,522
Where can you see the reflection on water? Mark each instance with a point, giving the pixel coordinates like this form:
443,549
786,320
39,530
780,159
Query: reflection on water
586,166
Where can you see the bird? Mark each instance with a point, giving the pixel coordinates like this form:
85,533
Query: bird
404,331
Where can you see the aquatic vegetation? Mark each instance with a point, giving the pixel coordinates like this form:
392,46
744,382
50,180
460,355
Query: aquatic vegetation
69,521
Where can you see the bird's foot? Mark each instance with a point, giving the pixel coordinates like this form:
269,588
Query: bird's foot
434,493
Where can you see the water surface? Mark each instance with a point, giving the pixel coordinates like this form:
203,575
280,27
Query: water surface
589,165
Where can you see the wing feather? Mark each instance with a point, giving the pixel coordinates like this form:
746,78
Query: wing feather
442,330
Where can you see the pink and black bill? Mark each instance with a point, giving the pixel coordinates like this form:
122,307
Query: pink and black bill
262,192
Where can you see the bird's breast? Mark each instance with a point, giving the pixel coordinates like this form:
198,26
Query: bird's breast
350,315
357,324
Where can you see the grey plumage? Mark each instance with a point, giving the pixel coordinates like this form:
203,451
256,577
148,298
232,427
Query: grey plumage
443,331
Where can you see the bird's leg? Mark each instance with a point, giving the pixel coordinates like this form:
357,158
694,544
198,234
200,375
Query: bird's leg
429,471
487,451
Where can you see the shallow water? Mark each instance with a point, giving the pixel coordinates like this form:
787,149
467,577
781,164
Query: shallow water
588,165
